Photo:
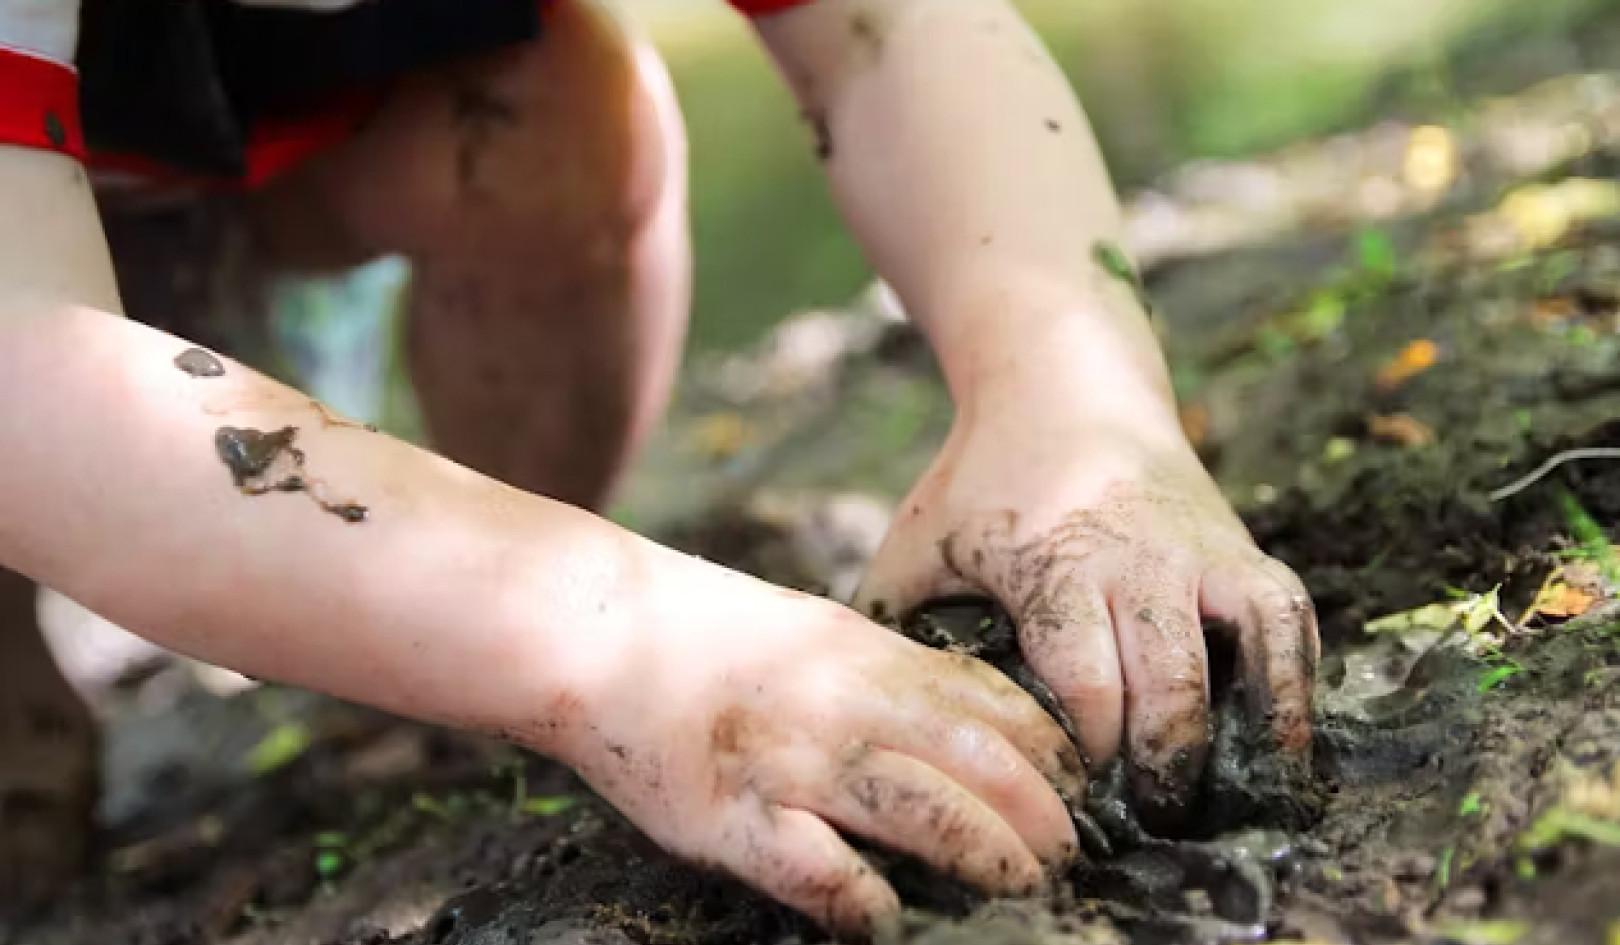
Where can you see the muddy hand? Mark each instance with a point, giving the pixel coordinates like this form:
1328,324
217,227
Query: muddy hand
1110,547
743,726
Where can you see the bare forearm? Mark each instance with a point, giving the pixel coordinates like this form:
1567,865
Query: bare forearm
115,492
968,170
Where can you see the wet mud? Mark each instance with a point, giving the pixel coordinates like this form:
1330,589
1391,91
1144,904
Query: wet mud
199,362
263,462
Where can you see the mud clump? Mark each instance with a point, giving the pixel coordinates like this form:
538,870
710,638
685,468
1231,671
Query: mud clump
1213,881
200,363
262,463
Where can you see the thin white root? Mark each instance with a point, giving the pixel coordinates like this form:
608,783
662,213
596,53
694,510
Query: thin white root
1568,456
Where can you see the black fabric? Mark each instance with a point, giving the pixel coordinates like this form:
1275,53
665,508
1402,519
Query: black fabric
181,81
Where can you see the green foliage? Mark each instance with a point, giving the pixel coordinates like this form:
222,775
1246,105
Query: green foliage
282,746
328,863
1562,823
548,806
1589,535
1498,676
1375,255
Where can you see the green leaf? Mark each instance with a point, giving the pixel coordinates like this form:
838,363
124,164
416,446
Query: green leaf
547,806
328,863
1481,609
1114,262
1427,617
1498,676
281,747
1442,873
1471,806
1497,932
427,804
1591,536
332,839
1376,254
1562,823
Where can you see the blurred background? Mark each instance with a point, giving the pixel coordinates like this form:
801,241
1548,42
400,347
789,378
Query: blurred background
1163,80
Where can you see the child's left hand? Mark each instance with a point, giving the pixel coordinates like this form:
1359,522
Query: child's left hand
1109,546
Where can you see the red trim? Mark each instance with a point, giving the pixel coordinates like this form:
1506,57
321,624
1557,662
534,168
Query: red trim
39,104
763,7
274,146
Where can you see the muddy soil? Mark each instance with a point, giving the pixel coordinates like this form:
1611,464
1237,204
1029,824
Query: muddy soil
1461,792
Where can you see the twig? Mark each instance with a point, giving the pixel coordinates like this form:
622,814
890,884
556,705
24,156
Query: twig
1568,456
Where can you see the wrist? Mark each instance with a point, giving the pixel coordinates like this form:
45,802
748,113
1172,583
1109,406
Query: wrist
1085,357
569,613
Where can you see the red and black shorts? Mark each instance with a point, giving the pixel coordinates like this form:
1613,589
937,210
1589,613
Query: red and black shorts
213,93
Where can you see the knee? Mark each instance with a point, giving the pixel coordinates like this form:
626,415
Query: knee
572,143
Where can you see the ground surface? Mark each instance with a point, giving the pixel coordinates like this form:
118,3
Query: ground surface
1360,397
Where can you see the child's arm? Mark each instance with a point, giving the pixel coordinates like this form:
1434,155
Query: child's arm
1066,489
733,721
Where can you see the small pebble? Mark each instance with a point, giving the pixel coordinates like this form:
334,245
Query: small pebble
1468,900
1413,866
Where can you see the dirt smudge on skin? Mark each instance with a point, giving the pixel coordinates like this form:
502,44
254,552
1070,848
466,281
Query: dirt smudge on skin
821,132
868,31
479,114
199,362
263,462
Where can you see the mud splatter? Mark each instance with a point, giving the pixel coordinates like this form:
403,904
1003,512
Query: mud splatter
199,362
479,114
264,462
822,132
868,32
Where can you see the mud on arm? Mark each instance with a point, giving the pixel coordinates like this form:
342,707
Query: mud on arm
170,490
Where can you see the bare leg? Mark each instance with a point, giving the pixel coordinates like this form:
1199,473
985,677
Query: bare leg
47,759
541,195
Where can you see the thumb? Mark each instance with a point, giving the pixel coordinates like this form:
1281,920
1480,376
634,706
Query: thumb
912,567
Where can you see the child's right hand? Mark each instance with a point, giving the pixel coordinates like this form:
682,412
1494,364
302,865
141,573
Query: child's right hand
738,724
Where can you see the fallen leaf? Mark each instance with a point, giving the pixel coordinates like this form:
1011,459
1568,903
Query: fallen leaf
1427,617
1562,601
1550,313
1338,449
1195,423
547,806
1402,429
1542,213
282,746
1431,159
1413,360
722,435
1564,823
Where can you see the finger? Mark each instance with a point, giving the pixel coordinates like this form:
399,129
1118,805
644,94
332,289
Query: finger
982,760
1068,638
1278,642
970,686
909,806
794,857
1162,654
908,571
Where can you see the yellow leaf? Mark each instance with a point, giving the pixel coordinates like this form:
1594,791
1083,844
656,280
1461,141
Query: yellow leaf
1413,360
1562,601
1431,159
1427,617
